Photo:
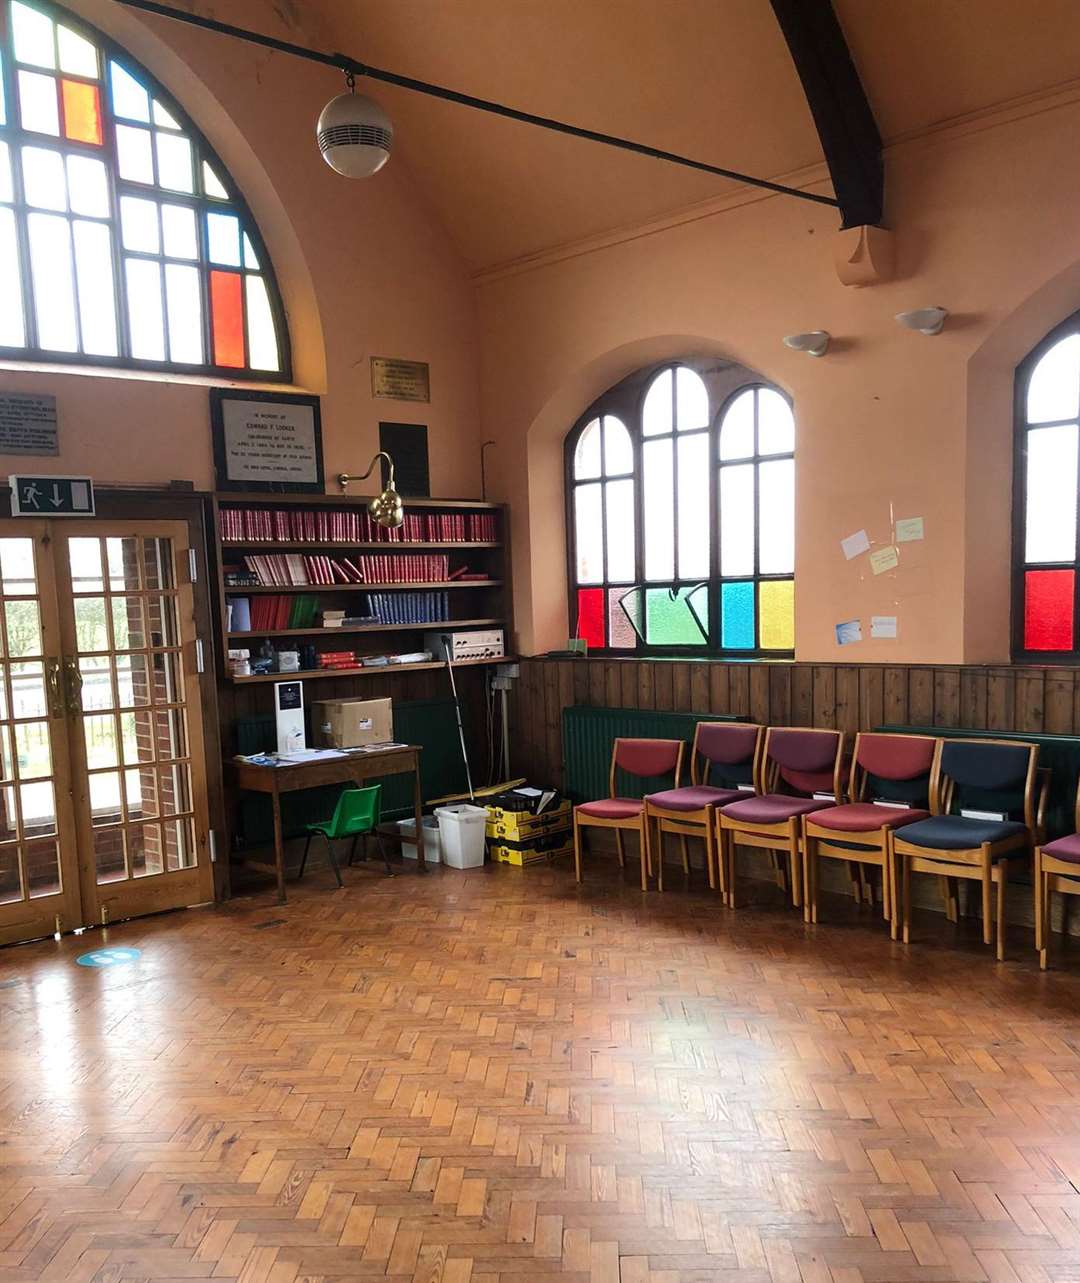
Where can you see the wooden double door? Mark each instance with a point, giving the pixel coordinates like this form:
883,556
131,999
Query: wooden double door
103,793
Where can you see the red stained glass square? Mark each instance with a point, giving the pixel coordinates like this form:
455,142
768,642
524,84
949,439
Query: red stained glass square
82,112
590,616
227,310
1048,609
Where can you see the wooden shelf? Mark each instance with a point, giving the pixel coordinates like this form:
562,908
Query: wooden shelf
434,626
317,588
268,499
338,545
381,670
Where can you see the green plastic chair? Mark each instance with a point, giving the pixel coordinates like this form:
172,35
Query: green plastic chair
356,816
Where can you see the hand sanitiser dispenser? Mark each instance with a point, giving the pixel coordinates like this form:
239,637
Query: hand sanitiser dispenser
289,711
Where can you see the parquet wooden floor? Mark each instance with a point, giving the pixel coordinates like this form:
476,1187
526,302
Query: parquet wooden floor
497,1076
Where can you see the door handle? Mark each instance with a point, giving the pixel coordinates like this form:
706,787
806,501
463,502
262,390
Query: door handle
73,682
55,688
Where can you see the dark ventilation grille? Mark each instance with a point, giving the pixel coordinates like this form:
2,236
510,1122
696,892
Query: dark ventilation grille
355,136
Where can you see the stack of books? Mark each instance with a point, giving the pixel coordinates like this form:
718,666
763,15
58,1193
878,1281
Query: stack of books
293,525
409,607
270,613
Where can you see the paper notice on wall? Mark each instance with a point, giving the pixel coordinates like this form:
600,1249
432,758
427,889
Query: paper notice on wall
882,559
908,529
855,544
883,626
848,632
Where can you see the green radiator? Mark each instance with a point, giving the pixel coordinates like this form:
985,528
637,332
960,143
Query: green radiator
588,734
1061,753
431,723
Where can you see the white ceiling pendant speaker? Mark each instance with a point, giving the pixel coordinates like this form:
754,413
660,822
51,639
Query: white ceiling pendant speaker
355,135
813,342
926,320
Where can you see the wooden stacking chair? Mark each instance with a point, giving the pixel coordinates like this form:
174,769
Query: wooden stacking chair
888,789
643,759
723,768
1057,868
985,812
796,762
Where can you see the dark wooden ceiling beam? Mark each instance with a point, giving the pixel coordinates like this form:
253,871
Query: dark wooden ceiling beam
845,122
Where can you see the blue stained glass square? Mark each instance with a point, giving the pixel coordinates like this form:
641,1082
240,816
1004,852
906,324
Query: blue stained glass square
223,239
737,616
130,99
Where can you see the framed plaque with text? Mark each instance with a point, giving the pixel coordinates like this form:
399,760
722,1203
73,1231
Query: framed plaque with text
267,441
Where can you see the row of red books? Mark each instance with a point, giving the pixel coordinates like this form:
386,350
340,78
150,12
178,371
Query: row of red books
282,570
406,568
292,525
339,659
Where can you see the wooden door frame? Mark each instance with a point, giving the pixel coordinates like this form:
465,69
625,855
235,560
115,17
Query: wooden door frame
193,508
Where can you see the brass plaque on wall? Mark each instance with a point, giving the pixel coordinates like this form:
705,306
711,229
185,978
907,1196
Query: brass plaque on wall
400,380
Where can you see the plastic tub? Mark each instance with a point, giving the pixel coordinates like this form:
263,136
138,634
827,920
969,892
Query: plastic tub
432,839
462,829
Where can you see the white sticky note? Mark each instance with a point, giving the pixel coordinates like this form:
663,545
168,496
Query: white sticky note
882,559
849,631
882,625
908,529
855,544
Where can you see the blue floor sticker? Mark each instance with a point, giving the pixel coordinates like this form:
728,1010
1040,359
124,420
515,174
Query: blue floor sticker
108,957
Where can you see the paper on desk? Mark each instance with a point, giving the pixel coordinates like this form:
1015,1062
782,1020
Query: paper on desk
311,755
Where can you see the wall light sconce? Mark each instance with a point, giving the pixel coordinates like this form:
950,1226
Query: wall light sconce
927,320
813,342
386,508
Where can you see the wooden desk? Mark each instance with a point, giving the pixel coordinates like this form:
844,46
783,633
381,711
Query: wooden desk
353,768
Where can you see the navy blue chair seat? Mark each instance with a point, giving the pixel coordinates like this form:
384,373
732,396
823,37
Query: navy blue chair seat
958,832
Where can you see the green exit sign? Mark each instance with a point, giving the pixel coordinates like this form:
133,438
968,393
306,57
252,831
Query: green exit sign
51,496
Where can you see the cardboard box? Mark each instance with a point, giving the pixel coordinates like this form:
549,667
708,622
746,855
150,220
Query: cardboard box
349,723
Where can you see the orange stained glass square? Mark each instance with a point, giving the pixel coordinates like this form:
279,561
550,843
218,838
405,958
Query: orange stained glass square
82,112
227,310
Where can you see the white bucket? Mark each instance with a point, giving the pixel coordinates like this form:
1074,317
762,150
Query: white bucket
432,839
462,830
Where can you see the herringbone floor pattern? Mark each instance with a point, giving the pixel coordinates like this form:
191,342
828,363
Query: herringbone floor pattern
486,1076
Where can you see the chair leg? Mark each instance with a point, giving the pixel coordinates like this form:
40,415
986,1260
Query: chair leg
577,848
1044,890
352,848
685,849
886,887
1037,886
382,851
643,838
808,860
795,853
619,848
987,882
727,854
303,858
710,854
659,831
1002,887
907,900
333,861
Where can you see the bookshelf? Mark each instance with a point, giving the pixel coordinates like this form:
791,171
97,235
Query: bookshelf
283,561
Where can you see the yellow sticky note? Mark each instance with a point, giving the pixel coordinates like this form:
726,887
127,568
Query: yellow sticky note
882,559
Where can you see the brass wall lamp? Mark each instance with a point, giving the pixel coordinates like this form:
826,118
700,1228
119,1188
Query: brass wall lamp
386,508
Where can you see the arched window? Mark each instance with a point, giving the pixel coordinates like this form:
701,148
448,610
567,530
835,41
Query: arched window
1045,554
123,241
681,515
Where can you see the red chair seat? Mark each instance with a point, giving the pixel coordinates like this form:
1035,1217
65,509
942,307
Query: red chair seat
613,808
865,817
772,808
694,798
1065,848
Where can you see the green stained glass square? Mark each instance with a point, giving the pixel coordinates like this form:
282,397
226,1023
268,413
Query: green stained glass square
670,618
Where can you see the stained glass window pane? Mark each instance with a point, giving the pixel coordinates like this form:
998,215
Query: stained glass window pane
227,311
43,178
657,409
737,519
82,112
262,340
695,536
32,34
139,224
618,449
88,186
691,400
587,452
776,423
38,108
737,616
670,619
7,192
54,286
589,534
1050,524
658,482
133,155
145,309
130,99
12,328
621,634
1054,388
97,298
776,512
175,171
590,621
621,558
178,231
1048,609
776,599
737,429
78,57
184,305
223,239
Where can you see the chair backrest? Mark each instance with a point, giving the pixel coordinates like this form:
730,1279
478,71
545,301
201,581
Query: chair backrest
357,811
645,757
987,775
725,754
895,768
802,759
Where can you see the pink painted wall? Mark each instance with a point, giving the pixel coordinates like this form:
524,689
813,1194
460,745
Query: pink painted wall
889,423
365,269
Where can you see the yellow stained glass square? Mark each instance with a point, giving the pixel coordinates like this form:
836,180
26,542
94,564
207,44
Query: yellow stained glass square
776,611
